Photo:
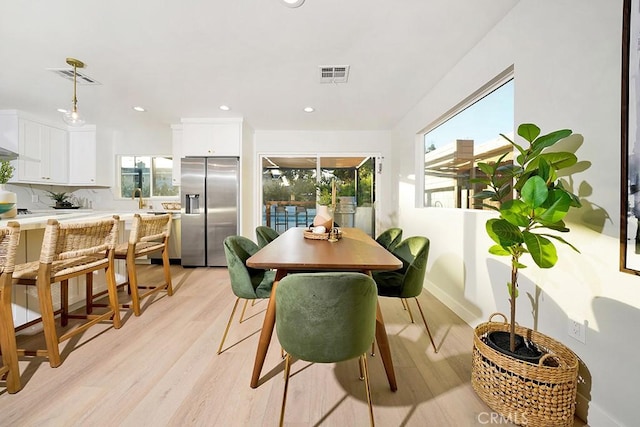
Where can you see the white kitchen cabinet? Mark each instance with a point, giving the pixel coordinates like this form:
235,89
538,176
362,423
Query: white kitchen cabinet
211,137
49,154
82,156
43,153
176,132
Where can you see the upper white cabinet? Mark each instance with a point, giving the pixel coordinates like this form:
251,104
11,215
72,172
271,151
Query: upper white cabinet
211,137
49,153
43,153
82,156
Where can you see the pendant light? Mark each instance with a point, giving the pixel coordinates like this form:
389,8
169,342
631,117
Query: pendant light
72,118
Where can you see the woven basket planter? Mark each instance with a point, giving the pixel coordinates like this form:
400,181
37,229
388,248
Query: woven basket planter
524,393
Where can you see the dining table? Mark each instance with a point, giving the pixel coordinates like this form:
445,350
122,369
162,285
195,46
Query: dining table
355,250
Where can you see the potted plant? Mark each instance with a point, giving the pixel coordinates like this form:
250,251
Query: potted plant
61,199
529,223
325,198
8,199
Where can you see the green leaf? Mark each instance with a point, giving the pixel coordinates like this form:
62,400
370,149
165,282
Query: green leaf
542,250
503,232
556,207
528,131
534,192
549,139
484,194
557,160
512,289
499,250
560,239
487,168
516,212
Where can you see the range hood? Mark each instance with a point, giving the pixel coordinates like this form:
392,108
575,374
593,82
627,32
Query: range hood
7,154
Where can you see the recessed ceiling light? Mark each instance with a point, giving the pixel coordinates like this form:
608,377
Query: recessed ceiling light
62,110
140,109
309,109
225,108
293,3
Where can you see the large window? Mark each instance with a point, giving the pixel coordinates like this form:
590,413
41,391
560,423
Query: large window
468,134
289,189
153,175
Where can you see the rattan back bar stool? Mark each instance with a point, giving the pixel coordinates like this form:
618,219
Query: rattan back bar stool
149,234
9,239
71,249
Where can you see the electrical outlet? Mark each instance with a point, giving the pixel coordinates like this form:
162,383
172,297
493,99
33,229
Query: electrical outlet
577,330
34,198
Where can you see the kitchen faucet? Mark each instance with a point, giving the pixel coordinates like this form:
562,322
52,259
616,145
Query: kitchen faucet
138,192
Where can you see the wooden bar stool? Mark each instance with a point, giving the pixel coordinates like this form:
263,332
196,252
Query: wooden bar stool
9,238
149,234
70,250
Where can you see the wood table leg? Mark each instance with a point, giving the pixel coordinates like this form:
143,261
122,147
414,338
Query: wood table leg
267,331
385,351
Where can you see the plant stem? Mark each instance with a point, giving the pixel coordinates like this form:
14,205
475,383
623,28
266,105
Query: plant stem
512,300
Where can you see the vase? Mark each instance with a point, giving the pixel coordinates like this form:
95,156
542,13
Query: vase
323,217
8,200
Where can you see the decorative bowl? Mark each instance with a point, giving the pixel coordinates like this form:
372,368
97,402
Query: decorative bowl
6,207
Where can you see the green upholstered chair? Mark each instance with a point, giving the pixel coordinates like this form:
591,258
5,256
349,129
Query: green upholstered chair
326,318
265,235
407,282
247,283
390,238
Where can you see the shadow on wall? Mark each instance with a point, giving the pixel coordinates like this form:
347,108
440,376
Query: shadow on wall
590,214
447,269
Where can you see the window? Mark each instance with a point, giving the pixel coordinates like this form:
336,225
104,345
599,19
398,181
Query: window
291,183
149,173
468,134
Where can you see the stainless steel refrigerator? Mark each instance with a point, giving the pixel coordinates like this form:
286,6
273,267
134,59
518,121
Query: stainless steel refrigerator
209,191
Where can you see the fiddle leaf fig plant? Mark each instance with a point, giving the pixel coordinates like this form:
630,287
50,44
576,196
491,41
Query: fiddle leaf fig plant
529,220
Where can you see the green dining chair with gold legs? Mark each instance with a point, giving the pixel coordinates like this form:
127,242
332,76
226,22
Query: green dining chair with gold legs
326,318
390,238
407,282
246,283
265,235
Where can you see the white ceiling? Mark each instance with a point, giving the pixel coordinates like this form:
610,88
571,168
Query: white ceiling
185,58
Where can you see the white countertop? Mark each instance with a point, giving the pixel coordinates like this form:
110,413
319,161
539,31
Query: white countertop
38,219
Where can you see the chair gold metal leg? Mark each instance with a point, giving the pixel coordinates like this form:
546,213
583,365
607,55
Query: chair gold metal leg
224,336
244,308
361,369
363,362
373,349
287,368
405,303
435,349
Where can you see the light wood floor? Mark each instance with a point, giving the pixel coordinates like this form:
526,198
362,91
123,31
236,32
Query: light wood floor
162,369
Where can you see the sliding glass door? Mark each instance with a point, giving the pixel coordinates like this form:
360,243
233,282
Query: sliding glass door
289,190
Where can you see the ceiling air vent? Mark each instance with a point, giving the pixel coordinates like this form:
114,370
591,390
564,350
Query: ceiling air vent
67,73
334,73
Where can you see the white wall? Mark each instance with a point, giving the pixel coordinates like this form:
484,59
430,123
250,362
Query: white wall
334,143
566,55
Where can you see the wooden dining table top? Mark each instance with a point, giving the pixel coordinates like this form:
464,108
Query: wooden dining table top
354,251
